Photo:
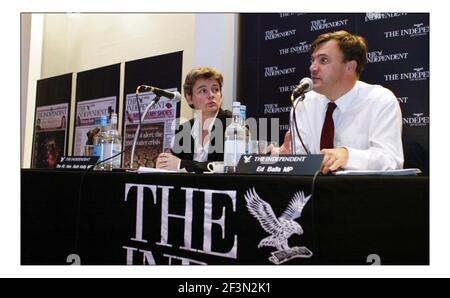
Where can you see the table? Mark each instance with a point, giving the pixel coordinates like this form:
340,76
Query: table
118,218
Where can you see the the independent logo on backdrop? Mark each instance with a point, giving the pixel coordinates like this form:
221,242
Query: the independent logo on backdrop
376,16
417,74
416,119
324,24
273,71
416,30
274,34
301,47
380,56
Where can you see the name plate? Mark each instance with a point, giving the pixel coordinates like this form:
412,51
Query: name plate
76,162
281,164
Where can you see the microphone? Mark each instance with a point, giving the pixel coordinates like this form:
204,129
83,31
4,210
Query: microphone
175,96
305,85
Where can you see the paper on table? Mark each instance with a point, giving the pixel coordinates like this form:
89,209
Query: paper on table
402,172
155,170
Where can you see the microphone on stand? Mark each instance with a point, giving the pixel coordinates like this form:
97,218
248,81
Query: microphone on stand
175,96
305,85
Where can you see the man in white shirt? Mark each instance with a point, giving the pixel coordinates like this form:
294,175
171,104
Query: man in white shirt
366,119
199,140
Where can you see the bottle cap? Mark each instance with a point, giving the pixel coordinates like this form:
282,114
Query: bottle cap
236,108
103,120
114,118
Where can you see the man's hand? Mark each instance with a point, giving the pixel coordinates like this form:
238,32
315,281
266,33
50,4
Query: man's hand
284,149
333,159
167,161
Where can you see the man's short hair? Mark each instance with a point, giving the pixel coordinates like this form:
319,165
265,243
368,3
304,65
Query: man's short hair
353,47
207,73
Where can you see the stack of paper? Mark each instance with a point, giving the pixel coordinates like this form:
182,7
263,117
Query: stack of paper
402,172
154,170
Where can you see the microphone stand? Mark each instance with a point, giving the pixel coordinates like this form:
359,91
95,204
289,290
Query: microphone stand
138,130
291,126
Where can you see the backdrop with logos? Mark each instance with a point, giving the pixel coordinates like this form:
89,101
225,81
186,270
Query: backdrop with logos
274,55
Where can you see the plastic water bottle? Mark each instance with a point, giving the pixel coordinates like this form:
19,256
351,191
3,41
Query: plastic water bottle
247,131
113,145
99,142
234,141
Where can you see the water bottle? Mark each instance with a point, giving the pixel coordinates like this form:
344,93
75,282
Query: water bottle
100,140
113,145
243,116
234,141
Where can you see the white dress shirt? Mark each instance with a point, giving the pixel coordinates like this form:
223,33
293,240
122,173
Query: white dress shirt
367,121
201,149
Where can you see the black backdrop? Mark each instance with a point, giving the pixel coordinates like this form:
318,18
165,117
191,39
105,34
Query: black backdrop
52,91
161,71
274,55
97,83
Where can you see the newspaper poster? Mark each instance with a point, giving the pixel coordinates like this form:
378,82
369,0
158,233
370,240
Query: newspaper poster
157,131
50,135
86,127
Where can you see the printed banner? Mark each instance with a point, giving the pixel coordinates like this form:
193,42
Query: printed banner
86,128
157,129
50,135
174,219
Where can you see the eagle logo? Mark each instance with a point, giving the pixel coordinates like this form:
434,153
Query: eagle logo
247,159
281,228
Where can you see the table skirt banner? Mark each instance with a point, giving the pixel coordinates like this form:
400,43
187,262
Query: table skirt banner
119,218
